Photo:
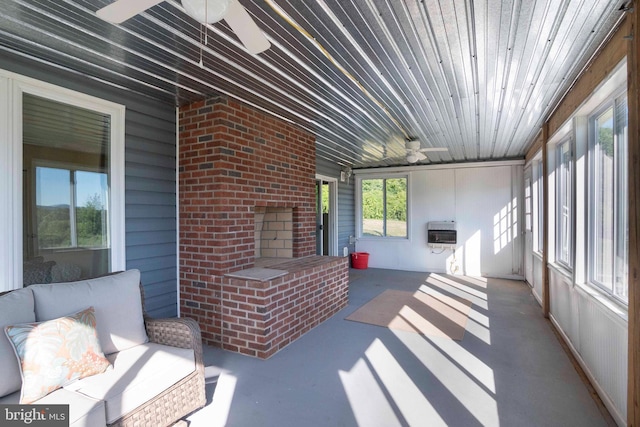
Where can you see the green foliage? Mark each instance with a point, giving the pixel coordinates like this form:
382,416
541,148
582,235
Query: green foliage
89,222
325,199
373,198
605,140
397,199
54,225
54,230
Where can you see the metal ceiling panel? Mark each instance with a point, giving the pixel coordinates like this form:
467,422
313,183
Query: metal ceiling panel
477,77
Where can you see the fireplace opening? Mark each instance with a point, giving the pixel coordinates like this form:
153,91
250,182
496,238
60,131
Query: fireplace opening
273,234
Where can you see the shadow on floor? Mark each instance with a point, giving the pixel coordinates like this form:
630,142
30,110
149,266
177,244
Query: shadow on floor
508,370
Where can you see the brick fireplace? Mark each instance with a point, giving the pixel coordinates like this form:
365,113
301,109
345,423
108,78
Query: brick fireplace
247,191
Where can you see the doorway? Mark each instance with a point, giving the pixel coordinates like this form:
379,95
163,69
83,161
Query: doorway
326,216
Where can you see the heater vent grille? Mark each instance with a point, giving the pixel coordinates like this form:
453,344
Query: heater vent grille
441,233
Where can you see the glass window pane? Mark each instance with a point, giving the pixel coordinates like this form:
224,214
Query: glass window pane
91,209
564,208
603,192
620,288
372,207
396,192
66,191
53,214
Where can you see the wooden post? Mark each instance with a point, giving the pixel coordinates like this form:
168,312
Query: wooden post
633,60
545,221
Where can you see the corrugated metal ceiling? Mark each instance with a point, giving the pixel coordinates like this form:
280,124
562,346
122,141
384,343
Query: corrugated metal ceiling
476,77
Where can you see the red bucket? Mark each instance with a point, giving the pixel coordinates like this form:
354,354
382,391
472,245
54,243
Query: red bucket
360,260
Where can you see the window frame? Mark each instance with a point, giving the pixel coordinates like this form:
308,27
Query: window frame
359,210
611,102
12,88
537,199
565,186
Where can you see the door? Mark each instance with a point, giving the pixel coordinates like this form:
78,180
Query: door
326,230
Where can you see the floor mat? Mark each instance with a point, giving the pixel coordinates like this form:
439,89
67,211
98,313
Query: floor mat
423,312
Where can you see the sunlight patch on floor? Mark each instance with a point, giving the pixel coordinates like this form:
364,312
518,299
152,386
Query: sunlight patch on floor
414,406
474,397
476,297
477,323
368,402
216,413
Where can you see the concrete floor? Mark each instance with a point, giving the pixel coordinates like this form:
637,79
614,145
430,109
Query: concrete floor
509,370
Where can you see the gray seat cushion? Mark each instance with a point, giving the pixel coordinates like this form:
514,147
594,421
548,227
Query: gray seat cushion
119,321
15,307
139,374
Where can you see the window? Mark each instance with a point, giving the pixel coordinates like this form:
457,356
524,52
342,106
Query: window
564,204
538,207
62,202
608,224
384,207
71,209
528,222
66,156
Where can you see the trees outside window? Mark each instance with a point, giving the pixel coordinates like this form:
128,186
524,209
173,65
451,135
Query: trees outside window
384,207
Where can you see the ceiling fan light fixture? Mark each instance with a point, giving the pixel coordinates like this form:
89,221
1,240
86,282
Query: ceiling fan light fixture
412,158
412,144
206,11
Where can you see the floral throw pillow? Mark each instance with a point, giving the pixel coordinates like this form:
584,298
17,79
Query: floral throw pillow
56,352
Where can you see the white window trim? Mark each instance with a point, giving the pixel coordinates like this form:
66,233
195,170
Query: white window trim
12,86
558,205
333,211
358,209
609,102
536,202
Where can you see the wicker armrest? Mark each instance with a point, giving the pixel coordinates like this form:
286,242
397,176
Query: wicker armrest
182,332
177,332
185,396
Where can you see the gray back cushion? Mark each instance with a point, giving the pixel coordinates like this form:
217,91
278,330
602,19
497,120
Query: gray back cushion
116,300
15,307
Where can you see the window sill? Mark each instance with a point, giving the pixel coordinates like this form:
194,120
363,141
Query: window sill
382,238
563,270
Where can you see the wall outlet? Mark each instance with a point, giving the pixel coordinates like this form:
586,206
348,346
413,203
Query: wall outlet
345,251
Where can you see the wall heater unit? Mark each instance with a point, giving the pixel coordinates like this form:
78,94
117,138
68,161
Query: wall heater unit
441,234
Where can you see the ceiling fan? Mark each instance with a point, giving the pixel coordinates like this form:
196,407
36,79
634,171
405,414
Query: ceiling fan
415,153
203,11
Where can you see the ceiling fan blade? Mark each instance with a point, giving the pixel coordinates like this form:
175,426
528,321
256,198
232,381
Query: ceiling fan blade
421,156
426,150
121,10
245,28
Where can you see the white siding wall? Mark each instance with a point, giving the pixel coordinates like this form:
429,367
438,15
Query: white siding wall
598,338
485,202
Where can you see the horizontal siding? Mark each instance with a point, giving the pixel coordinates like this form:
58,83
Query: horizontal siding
150,179
346,203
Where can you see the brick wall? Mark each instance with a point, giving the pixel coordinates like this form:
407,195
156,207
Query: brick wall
233,158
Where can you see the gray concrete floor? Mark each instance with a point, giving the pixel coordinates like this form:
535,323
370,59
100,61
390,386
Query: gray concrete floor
509,370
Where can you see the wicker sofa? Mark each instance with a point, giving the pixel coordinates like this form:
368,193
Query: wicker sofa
154,375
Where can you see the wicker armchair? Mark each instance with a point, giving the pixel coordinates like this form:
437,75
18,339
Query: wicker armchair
183,397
